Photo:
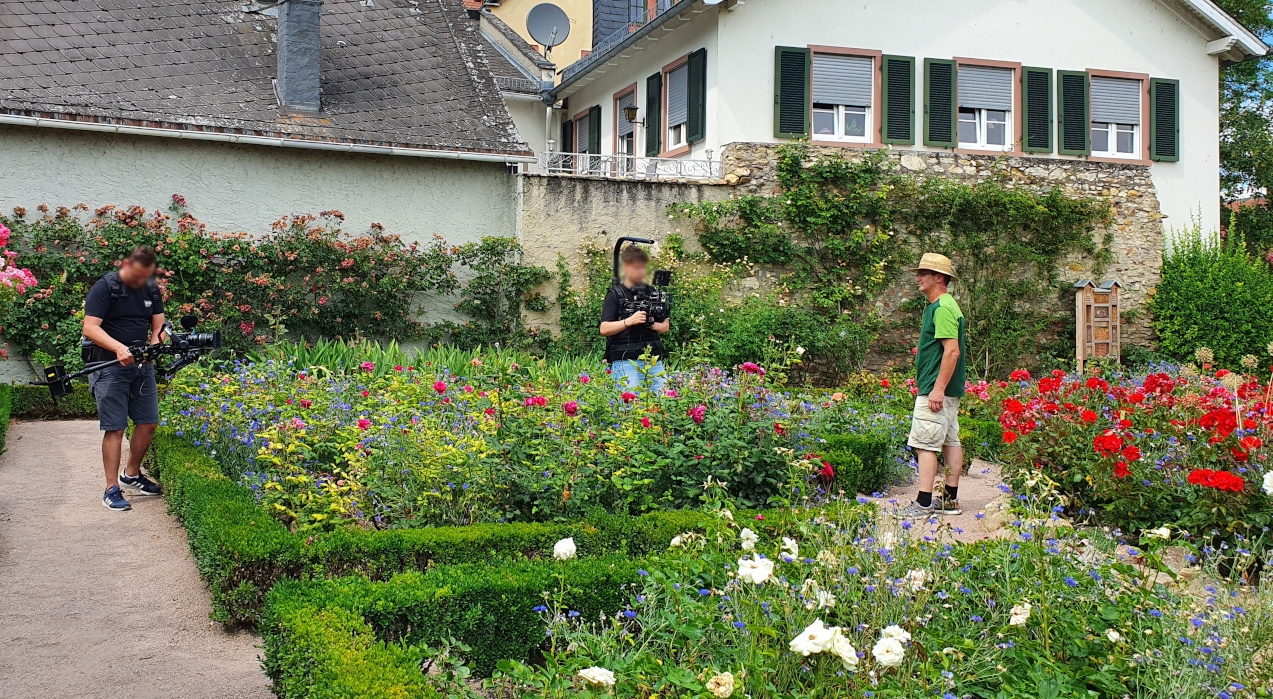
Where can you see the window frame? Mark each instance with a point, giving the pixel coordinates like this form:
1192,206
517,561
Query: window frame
1014,145
684,147
618,114
874,111
1141,147
982,118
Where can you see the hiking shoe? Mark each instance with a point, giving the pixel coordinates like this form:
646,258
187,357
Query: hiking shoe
140,483
915,511
943,507
114,500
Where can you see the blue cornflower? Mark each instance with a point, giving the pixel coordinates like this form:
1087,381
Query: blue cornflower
539,608
1071,582
704,593
629,613
740,625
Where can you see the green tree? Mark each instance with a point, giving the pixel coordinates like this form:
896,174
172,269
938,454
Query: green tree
1246,103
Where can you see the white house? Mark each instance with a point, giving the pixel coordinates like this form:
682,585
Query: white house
1122,81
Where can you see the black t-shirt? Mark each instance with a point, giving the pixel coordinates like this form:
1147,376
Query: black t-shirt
631,343
127,318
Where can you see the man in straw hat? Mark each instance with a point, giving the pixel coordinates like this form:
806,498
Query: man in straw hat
939,364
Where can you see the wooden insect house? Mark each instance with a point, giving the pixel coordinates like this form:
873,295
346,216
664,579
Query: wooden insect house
1096,313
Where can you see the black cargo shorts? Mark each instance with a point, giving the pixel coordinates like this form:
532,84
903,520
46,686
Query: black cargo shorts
124,392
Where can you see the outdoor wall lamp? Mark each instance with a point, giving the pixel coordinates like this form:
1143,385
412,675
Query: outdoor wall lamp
630,113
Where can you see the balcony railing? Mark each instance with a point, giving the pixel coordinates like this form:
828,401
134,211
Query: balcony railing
640,13
630,167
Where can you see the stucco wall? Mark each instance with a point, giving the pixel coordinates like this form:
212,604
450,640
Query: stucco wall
559,215
244,188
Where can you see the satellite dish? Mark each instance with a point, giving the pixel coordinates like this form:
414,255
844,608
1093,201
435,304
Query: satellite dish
548,25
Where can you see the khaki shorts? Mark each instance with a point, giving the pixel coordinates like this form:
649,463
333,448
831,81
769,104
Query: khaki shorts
931,431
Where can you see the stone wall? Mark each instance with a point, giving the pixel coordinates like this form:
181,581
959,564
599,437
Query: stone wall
1137,227
559,215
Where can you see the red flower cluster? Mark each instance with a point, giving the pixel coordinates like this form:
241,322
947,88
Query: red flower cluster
1108,443
535,402
1220,480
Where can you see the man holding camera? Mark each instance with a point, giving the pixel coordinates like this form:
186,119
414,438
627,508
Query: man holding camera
123,309
629,336
939,378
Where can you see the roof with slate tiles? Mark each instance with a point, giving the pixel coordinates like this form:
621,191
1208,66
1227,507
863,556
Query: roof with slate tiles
401,74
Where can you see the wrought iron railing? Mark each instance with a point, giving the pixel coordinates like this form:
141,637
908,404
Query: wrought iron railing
630,167
640,13
518,84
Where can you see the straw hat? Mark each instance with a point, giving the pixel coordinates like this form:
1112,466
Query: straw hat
933,262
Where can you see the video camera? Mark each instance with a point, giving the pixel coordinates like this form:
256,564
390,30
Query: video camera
654,300
187,347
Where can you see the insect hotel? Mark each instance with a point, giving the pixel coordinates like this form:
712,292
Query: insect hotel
1096,315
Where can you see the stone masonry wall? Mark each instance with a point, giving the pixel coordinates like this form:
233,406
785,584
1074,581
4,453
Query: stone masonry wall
1137,228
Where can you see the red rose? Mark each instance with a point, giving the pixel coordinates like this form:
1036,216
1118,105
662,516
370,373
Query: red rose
1009,437
1121,470
1089,416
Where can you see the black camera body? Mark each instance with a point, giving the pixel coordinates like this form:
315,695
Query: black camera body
186,347
654,299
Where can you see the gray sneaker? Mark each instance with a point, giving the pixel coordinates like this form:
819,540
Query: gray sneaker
943,507
916,511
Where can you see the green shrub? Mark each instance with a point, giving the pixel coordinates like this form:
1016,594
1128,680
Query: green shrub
982,439
1213,294
6,409
862,462
489,608
34,402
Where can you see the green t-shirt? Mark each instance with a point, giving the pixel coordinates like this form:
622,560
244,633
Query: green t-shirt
942,320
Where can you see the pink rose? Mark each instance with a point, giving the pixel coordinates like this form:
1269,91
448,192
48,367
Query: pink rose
571,408
363,423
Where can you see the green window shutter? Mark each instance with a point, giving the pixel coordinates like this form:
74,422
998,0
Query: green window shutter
594,130
1164,120
567,136
941,103
653,115
792,85
898,124
696,111
1073,112
1036,106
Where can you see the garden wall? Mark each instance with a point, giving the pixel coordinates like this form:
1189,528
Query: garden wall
1137,230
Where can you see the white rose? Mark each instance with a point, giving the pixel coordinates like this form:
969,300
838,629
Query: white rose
896,633
790,547
799,350
1020,614
755,570
721,686
824,599
1268,484
678,541
1113,636
889,652
565,549
598,676
1159,533
814,639
828,559
844,650
915,580
749,539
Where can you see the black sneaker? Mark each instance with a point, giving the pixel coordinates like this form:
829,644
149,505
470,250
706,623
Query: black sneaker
114,500
946,507
140,483
916,511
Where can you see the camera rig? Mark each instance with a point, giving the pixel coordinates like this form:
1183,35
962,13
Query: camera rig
187,347
654,300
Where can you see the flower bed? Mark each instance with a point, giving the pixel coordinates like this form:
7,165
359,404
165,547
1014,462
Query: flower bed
408,447
1181,449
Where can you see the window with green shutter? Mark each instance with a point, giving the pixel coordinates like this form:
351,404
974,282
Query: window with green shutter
1036,106
1073,98
567,136
940,107
594,130
791,92
653,115
1164,120
696,113
898,100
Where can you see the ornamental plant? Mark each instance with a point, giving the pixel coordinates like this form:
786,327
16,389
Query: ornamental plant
1179,448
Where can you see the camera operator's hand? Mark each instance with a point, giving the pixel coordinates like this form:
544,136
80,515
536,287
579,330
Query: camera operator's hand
663,327
638,318
125,356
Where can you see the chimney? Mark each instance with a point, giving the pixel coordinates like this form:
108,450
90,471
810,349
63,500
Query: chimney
299,29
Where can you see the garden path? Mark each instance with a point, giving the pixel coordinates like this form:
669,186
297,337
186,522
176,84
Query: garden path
95,603
979,494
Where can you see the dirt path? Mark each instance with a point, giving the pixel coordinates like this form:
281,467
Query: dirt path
95,603
978,488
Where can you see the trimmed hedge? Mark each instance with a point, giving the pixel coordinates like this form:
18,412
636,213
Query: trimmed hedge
861,461
6,410
35,402
489,608
242,551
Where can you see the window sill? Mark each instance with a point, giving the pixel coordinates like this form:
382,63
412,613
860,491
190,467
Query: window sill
845,144
676,152
963,150
1119,161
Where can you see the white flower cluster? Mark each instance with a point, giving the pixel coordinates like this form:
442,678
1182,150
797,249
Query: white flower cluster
817,637
1020,614
1268,484
565,549
890,650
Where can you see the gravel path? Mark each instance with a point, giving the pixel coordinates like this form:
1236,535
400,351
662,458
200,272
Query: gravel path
978,488
95,603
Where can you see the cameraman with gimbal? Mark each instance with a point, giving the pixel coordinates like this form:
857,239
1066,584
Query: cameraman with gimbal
125,309
630,334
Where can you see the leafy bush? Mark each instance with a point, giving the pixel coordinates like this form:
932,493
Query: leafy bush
6,410
982,439
308,278
1213,294
34,402
862,463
